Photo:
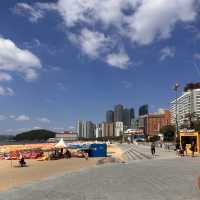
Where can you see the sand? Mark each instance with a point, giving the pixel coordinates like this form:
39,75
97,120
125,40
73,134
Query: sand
39,170
115,151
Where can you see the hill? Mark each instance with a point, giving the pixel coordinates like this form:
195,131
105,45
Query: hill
38,135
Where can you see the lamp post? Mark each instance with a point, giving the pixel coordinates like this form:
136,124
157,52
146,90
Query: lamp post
175,88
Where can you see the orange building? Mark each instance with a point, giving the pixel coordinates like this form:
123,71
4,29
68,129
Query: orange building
156,121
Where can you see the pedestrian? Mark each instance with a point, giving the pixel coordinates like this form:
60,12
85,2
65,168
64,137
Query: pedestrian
184,149
168,147
153,149
192,148
177,149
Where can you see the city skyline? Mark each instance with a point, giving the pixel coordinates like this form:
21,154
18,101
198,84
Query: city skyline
58,65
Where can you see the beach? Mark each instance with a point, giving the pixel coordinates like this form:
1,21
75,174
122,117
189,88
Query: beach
11,175
160,178
38,170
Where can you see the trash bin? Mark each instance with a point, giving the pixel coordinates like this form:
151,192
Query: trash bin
98,150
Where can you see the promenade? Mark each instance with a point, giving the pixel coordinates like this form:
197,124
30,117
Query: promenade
162,178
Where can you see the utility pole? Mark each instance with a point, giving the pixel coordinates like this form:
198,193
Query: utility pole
175,88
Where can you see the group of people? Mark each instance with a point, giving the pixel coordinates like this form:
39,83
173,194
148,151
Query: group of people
181,150
60,154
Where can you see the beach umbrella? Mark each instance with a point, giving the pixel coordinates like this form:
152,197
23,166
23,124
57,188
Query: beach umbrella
61,144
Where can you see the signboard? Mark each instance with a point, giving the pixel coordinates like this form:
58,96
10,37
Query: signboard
187,132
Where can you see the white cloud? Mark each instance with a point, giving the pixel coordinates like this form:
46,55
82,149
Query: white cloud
2,117
197,56
12,116
106,12
10,130
19,60
119,60
6,91
61,86
22,118
71,128
146,20
167,52
92,43
36,128
157,18
22,129
34,13
127,84
5,76
140,21
58,129
55,68
43,120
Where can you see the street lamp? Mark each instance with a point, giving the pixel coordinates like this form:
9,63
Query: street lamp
175,88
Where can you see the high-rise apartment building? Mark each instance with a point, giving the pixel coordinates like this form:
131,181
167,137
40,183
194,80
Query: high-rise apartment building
128,115
187,104
110,116
98,131
79,128
118,113
107,129
119,129
143,110
85,129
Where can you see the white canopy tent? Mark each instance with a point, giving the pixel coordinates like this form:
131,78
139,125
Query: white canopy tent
61,144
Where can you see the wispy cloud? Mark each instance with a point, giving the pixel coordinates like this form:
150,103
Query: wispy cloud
25,9
92,43
22,118
6,91
61,86
5,76
43,120
127,84
2,117
145,22
120,60
196,56
167,52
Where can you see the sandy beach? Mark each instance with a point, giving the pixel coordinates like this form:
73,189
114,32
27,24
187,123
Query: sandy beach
37,170
14,176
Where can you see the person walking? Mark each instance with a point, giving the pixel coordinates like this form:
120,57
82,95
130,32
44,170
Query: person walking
153,149
184,149
192,148
177,149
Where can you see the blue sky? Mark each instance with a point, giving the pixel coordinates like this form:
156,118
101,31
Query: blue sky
74,59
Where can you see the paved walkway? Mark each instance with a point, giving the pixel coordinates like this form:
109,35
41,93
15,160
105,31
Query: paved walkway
134,152
155,179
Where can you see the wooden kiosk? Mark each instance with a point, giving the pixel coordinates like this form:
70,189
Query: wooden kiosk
187,137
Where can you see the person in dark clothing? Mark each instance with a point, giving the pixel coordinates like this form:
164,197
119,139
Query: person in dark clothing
184,149
177,149
177,146
192,148
68,154
153,149
22,161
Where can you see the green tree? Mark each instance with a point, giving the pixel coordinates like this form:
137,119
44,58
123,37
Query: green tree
196,125
168,132
40,134
154,138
